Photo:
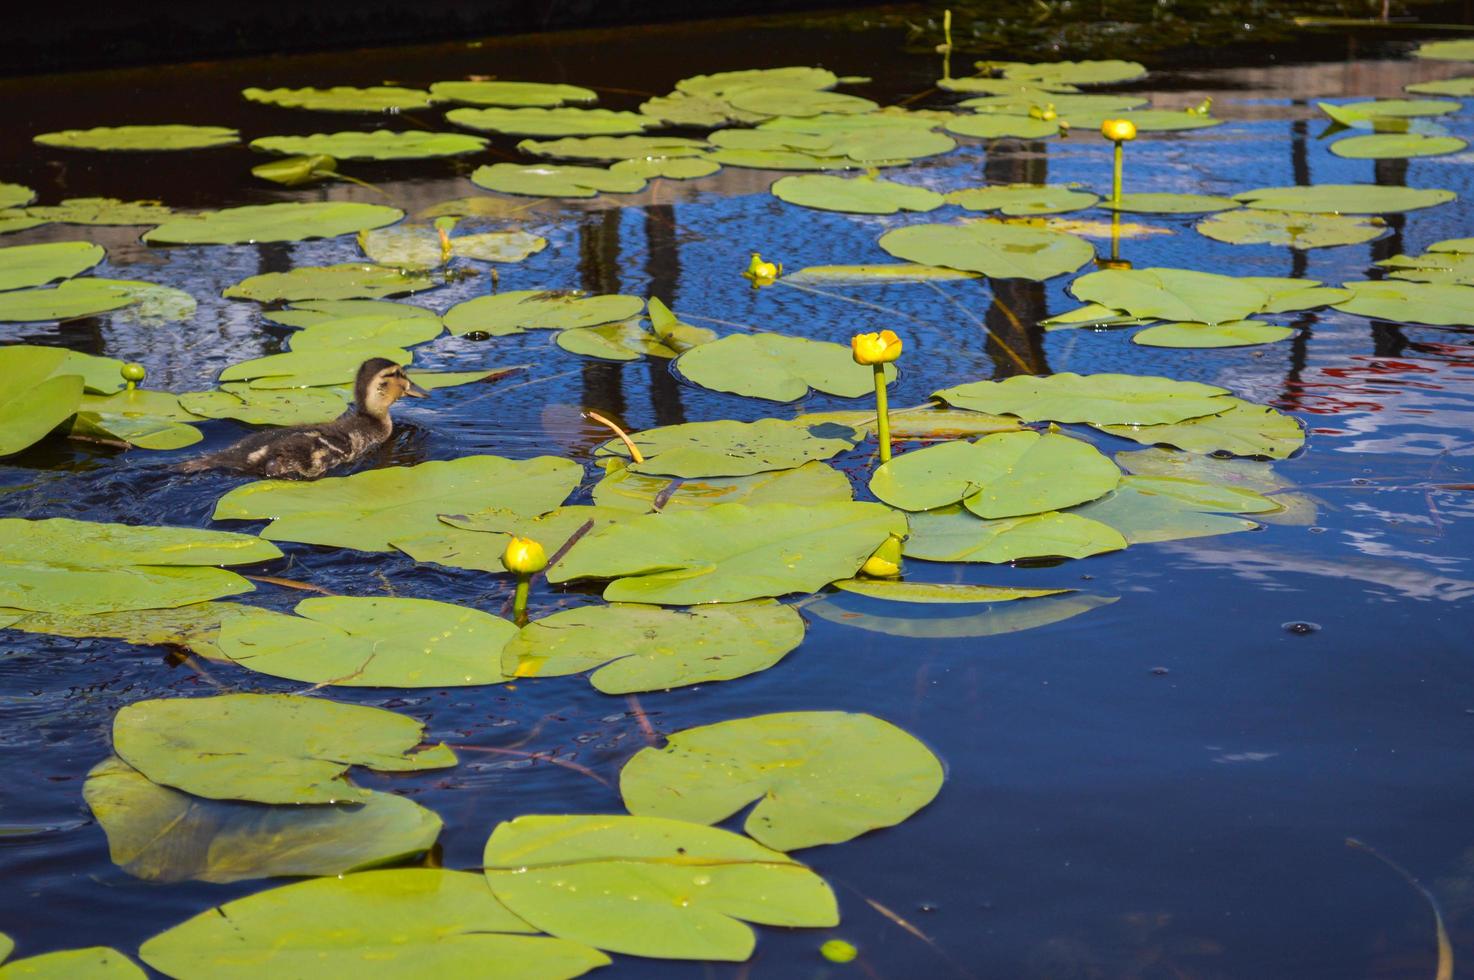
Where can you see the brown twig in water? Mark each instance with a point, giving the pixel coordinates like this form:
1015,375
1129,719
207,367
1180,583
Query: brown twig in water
629,444
339,680
1445,948
642,719
539,756
1003,307
287,583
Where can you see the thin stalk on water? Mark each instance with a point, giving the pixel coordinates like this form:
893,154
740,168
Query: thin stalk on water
882,417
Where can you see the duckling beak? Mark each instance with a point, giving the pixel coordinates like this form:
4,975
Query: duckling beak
413,390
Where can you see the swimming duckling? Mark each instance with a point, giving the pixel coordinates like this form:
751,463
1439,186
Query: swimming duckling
306,452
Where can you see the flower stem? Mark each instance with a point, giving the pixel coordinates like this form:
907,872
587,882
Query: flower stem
1120,155
519,602
882,414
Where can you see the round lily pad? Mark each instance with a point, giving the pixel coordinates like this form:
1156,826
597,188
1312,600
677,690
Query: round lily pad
1395,146
351,280
520,310
1231,333
1296,229
857,195
141,138
1462,87
102,211
36,265
1168,203
1244,429
92,963
512,93
954,534
778,368
1000,251
729,448
785,100
810,483
1023,199
419,246
1095,398
547,180
1091,72
380,144
818,777
1182,295
992,126
15,195
671,168
343,98
613,147
34,401
287,222
1411,302
1344,198
1456,50
1352,113
551,122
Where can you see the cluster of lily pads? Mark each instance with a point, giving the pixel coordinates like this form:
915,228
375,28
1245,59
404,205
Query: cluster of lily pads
698,535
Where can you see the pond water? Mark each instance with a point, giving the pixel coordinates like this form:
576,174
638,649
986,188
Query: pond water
1160,787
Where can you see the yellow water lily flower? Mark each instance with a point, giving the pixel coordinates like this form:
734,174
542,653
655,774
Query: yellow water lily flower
875,348
886,561
524,556
762,273
1118,130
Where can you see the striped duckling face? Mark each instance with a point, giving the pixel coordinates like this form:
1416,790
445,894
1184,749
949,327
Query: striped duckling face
380,384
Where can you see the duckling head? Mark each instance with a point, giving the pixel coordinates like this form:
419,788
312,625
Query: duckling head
381,383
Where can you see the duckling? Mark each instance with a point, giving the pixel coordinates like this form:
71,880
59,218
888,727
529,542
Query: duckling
306,452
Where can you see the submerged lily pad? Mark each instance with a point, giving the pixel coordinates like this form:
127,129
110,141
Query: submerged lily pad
647,648
367,510
1231,333
268,748
351,280
1245,429
996,620
549,180
856,195
729,552
1295,229
954,534
371,642
402,922
35,265
33,401
419,247
878,274
1168,203
59,565
102,211
1395,146
194,628
813,483
1003,475
1021,199
551,122
289,222
512,93
1411,302
819,777
1001,251
141,138
343,98
520,310
380,144
939,593
777,367
729,448
1171,294
648,886
160,834
1096,398
1344,198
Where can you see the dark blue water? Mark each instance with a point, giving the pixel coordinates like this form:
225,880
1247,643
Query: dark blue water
1161,787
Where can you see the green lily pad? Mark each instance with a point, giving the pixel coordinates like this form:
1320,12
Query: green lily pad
1096,398
726,82
1092,315
1395,146
290,222
418,246
1168,203
305,406
153,305
102,211
512,93
1296,509
1008,474
1288,295
371,642
778,368
1245,429
1012,87
402,922
1001,251
783,100
1411,302
136,139
628,340
819,777
855,195
1098,72
815,483
139,431
879,274
990,126
367,510
17,221
343,98
671,168
953,534
1295,229
367,331
613,147
520,310
15,195
478,539
1171,294
92,963
997,620
268,748
194,628
1168,120
160,834
729,552
1232,333
60,565
548,180
928,421
309,368
312,313
1344,198
1022,199
351,280
295,171
1458,50
33,401
1445,268
729,448
1462,87
647,648
1147,510
939,593
552,122
380,144
35,265
647,886
73,298
700,111
1351,112
1080,111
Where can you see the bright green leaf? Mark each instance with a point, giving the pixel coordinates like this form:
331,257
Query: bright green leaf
1002,251
777,367
954,534
1245,429
1100,398
379,144
141,138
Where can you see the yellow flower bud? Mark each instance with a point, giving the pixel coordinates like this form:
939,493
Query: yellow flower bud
762,273
1118,130
886,561
524,556
875,348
